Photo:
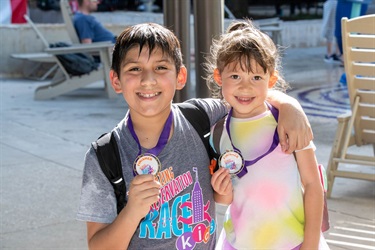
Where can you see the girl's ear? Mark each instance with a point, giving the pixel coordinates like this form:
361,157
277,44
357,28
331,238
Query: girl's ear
115,81
273,79
217,77
181,78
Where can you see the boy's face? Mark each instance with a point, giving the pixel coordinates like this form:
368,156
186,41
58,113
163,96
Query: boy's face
245,91
148,82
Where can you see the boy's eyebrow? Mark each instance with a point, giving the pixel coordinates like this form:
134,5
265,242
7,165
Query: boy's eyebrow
166,59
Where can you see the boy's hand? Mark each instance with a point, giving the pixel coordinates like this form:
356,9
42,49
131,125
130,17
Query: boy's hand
221,182
143,192
293,128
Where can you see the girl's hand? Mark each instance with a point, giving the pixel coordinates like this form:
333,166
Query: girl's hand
221,182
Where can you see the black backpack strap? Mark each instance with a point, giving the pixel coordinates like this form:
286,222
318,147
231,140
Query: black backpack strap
109,159
216,136
199,119
215,149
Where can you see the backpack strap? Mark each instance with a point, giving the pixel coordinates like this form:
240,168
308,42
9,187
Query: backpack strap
216,136
199,119
108,155
106,150
215,146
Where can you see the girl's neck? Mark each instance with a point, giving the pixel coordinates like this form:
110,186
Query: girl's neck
255,112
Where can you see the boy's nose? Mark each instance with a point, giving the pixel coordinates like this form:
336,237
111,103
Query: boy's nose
148,78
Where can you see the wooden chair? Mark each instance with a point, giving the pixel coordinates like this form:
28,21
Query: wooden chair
68,15
62,82
38,58
271,26
356,128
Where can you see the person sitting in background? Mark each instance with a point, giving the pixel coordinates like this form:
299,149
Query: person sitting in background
89,29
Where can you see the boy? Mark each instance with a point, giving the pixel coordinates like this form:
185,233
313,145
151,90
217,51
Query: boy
173,208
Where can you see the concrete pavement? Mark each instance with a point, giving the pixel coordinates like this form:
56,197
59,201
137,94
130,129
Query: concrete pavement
42,145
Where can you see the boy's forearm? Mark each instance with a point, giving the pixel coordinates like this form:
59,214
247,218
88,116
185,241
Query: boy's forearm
293,126
277,99
116,235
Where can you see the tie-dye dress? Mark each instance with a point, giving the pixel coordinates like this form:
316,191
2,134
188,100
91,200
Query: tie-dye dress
267,211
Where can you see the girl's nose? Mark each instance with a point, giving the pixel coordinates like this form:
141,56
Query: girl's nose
245,85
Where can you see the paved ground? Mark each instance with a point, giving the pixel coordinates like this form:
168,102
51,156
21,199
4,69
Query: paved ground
42,145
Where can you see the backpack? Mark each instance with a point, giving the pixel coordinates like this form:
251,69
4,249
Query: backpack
48,4
216,135
109,158
76,64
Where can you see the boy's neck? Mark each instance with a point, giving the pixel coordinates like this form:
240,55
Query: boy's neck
148,129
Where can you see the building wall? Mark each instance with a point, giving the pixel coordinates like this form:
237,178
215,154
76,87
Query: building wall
23,39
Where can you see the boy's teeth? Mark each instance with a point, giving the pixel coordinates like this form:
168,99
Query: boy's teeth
149,95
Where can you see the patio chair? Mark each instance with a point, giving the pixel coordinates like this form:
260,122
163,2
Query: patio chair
38,58
357,128
63,82
68,15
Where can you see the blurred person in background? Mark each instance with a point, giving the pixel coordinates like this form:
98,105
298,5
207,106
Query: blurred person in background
89,29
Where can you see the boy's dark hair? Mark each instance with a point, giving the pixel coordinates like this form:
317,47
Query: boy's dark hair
151,36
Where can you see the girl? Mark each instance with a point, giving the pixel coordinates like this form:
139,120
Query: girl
276,199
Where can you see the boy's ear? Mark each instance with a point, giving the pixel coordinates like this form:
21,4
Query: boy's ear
115,81
273,79
181,78
217,77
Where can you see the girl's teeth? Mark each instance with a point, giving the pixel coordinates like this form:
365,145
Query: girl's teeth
243,99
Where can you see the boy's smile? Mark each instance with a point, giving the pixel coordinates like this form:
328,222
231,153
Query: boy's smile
144,95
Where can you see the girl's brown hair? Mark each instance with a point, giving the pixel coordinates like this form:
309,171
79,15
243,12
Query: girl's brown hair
241,43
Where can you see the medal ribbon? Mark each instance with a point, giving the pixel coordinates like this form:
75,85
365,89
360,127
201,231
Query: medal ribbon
163,139
274,144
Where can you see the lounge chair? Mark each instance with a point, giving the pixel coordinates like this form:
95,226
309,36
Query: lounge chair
357,128
62,82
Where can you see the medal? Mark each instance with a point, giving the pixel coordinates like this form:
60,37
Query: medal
149,163
146,164
243,170
231,160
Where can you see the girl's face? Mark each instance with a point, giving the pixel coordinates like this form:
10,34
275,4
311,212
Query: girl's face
148,82
245,91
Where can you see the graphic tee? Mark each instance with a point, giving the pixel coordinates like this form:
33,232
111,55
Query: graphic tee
267,211
184,217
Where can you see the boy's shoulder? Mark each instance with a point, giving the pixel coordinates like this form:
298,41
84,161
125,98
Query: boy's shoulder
208,104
